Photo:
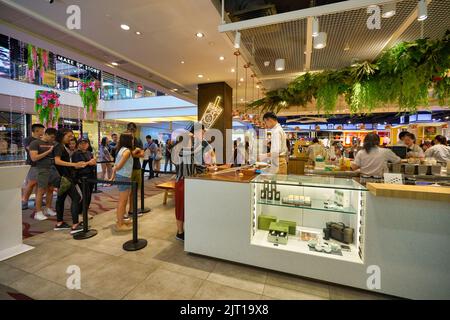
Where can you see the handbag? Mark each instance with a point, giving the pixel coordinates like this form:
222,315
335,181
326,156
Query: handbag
64,186
340,232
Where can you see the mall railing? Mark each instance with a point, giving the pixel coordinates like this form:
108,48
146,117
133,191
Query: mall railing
132,245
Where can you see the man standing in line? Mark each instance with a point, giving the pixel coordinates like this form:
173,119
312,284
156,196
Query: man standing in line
137,153
37,131
278,147
112,145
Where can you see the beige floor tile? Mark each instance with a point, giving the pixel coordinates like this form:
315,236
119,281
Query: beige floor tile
35,240
41,256
115,280
286,294
10,274
87,260
214,291
146,255
235,282
347,293
304,285
172,282
193,272
175,254
241,271
72,295
37,288
263,297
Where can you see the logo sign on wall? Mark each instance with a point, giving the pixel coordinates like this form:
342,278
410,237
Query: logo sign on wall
212,113
79,65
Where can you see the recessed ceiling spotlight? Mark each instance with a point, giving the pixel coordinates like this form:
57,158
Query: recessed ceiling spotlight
266,63
138,33
257,86
175,89
280,64
221,58
115,64
422,10
349,122
237,40
315,27
232,70
182,62
446,117
320,41
200,35
389,10
242,100
347,47
200,76
125,27
241,79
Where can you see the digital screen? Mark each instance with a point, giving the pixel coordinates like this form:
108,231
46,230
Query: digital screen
369,126
402,119
349,126
424,117
330,126
5,63
413,118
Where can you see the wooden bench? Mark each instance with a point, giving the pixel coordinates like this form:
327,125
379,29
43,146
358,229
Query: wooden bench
169,188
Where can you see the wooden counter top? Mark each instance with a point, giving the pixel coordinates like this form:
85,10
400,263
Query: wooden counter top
410,192
226,177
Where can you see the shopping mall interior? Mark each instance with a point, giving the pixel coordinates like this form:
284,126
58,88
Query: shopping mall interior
224,149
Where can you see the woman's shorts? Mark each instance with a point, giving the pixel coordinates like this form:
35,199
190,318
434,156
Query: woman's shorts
123,187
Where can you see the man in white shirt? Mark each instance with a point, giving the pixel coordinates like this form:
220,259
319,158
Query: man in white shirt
278,146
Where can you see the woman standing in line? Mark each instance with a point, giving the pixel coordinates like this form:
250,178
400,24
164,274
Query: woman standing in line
105,155
158,157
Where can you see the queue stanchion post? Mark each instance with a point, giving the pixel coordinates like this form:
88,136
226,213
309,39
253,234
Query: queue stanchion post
86,233
96,184
135,244
143,209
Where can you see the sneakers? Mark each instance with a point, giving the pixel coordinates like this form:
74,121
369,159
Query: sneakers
40,216
123,227
61,227
77,229
130,214
180,236
50,212
24,205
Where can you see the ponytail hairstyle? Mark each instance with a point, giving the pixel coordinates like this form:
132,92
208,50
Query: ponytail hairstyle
372,140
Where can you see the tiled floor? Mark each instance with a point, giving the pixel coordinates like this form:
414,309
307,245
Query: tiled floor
160,271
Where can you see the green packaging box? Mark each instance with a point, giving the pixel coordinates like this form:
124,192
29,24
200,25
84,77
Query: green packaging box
278,233
291,225
264,221
275,226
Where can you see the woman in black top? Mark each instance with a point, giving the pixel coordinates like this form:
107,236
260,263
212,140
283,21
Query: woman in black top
68,186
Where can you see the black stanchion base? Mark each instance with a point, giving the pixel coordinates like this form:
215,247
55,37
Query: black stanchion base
85,235
135,246
97,191
145,210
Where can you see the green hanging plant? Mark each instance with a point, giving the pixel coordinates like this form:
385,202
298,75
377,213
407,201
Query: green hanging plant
89,93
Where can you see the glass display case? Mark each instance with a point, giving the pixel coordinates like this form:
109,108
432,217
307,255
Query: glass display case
322,216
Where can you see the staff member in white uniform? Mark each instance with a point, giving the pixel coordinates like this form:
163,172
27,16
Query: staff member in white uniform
440,151
278,147
372,160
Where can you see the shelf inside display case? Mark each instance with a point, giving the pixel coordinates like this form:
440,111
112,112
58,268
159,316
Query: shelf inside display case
319,205
295,244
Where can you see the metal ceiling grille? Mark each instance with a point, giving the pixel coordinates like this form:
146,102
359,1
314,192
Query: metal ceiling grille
434,27
269,43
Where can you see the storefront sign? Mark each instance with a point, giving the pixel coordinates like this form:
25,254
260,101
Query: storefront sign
78,65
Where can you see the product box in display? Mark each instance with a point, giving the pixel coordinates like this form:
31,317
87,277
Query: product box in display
278,233
292,225
342,198
264,221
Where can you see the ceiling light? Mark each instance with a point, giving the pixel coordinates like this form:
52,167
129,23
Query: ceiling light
349,122
199,35
138,33
320,41
257,86
221,58
182,61
237,40
241,79
232,70
280,64
175,90
446,117
242,99
315,27
200,76
115,64
422,11
266,63
389,10
347,47
125,27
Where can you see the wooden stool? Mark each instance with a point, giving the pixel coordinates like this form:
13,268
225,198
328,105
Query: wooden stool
169,189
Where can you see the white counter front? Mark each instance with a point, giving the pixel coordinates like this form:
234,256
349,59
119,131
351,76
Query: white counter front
11,180
407,241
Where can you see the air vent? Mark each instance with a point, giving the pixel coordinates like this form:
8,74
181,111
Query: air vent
252,13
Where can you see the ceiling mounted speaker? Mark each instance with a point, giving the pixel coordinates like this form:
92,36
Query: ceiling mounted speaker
320,41
280,64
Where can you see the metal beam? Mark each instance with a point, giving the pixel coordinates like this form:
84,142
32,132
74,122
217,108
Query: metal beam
300,14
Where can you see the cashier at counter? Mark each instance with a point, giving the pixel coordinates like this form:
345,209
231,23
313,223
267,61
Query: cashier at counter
372,160
414,151
278,147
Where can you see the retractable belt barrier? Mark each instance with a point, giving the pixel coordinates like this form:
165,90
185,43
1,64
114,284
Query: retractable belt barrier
132,245
95,172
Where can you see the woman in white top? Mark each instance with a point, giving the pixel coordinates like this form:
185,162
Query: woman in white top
440,151
372,160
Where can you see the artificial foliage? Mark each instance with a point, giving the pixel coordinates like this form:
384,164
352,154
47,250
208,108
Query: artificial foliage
37,61
47,107
89,93
407,75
